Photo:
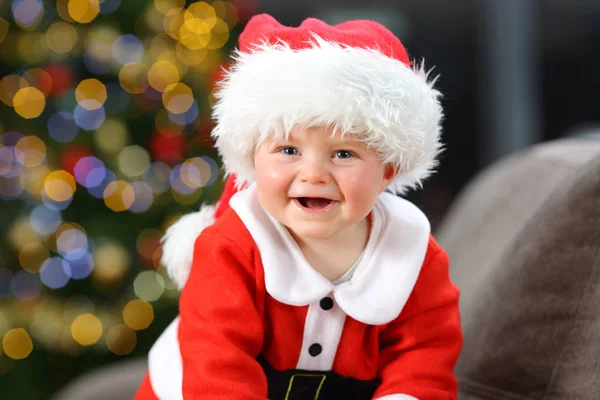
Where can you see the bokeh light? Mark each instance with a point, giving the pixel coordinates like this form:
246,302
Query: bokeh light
112,262
27,13
91,94
89,119
144,197
29,102
32,256
177,98
53,273
162,74
9,86
62,127
83,11
121,339
127,49
112,136
86,329
30,151
45,220
71,241
164,6
59,186
17,344
119,195
133,161
39,79
25,285
81,267
134,77
138,314
149,285
61,37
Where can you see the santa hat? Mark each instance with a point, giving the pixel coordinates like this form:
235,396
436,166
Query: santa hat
355,77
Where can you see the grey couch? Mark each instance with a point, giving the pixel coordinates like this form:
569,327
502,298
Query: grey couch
524,246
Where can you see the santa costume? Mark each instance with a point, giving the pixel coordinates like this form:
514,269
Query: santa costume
256,320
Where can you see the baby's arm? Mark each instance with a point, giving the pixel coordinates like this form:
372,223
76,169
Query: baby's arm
420,348
221,331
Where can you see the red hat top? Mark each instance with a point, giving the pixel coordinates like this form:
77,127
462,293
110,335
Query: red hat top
365,34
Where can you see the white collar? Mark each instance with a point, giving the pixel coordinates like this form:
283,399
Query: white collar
383,280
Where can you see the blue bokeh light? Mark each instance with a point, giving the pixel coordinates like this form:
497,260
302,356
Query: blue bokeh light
62,127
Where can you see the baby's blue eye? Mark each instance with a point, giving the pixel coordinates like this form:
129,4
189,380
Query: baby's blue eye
343,154
289,151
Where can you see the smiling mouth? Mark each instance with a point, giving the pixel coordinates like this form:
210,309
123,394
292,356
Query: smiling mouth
314,204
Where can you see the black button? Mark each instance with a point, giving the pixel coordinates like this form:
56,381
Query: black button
326,303
315,349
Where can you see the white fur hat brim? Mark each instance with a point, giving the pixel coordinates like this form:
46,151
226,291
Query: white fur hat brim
360,91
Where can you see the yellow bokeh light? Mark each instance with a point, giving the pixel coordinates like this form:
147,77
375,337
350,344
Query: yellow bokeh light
173,22
160,44
21,233
32,47
111,263
227,12
30,151
86,329
32,179
189,56
199,18
162,74
164,6
3,29
119,196
61,37
59,185
62,8
17,344
91,94
9,86
138,314
133,161
192,40
83,11
32,256
112,136
219,35
134,77
177,98
121,339
29,102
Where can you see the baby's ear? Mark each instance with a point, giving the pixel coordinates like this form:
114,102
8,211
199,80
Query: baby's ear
389,174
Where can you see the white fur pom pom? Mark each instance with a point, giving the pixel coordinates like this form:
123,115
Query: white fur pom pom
179,240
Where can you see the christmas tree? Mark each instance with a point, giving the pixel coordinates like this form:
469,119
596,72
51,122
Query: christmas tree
104,142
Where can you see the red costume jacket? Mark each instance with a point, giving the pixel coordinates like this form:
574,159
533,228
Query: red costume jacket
251,296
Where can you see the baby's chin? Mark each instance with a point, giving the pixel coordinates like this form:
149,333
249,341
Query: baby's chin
313,230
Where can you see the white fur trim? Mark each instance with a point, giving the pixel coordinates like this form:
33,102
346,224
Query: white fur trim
397,397
383,279
165,366
355,90
179,240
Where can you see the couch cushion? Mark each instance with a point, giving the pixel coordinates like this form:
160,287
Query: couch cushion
524,242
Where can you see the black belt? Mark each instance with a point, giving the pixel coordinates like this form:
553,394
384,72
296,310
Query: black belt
295,384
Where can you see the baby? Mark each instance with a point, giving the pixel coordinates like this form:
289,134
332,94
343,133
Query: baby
310,280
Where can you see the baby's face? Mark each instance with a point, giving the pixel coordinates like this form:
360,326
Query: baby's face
319,185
